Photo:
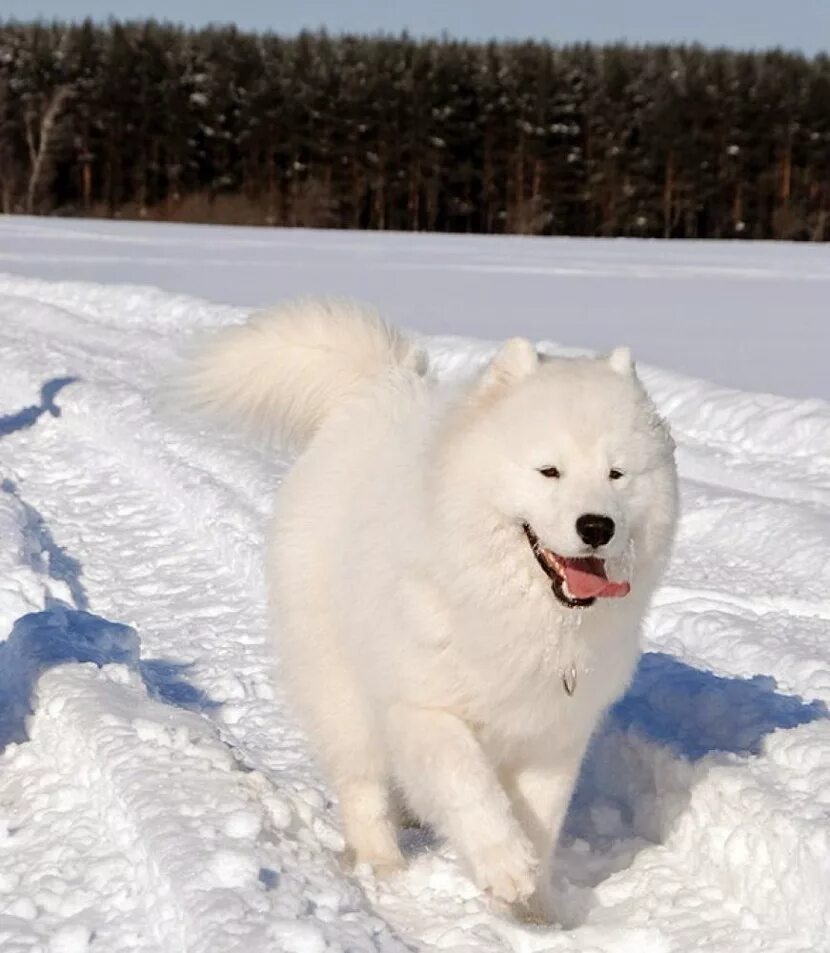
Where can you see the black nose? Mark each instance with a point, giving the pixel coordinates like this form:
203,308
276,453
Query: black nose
595,530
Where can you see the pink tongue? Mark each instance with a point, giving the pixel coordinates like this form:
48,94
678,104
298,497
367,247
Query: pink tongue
586,579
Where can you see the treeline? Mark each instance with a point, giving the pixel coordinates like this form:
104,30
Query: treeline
154,120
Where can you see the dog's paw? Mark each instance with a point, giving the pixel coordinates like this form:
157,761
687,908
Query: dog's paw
506,870
383,859
383,868
539,908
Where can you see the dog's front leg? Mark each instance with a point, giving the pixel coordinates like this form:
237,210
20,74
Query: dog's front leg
449,783
540,790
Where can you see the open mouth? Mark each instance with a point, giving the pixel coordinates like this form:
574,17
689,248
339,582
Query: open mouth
577,581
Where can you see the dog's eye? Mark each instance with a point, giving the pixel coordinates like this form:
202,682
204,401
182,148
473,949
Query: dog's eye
551,472
615,474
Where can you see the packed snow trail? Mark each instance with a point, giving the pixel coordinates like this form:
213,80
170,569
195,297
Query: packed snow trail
161,796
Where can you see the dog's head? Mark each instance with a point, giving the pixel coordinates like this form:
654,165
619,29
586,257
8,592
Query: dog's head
572,454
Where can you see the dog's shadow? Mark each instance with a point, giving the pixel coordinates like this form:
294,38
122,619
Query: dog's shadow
637,777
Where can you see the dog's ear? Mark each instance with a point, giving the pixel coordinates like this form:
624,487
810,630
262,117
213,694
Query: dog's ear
621,362
514,360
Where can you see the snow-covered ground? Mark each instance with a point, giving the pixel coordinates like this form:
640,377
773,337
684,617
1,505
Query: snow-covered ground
753,315
160,798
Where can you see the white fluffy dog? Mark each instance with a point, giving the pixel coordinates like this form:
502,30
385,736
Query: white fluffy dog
458,572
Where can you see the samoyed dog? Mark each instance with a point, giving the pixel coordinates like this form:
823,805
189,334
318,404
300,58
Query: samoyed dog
458,571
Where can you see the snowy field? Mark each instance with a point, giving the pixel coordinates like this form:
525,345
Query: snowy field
744,314
155,792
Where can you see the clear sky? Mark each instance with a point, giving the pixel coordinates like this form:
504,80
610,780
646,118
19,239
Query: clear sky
793,24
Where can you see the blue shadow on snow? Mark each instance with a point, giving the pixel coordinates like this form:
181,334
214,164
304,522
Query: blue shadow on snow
642,765
694,712
29,416
59,634
43,554
641,761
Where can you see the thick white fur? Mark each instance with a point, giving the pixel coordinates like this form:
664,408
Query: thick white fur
282,373
418,637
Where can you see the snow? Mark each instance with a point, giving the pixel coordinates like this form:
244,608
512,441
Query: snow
156,793
744,314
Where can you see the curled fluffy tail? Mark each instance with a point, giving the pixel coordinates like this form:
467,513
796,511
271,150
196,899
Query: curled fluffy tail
282,372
